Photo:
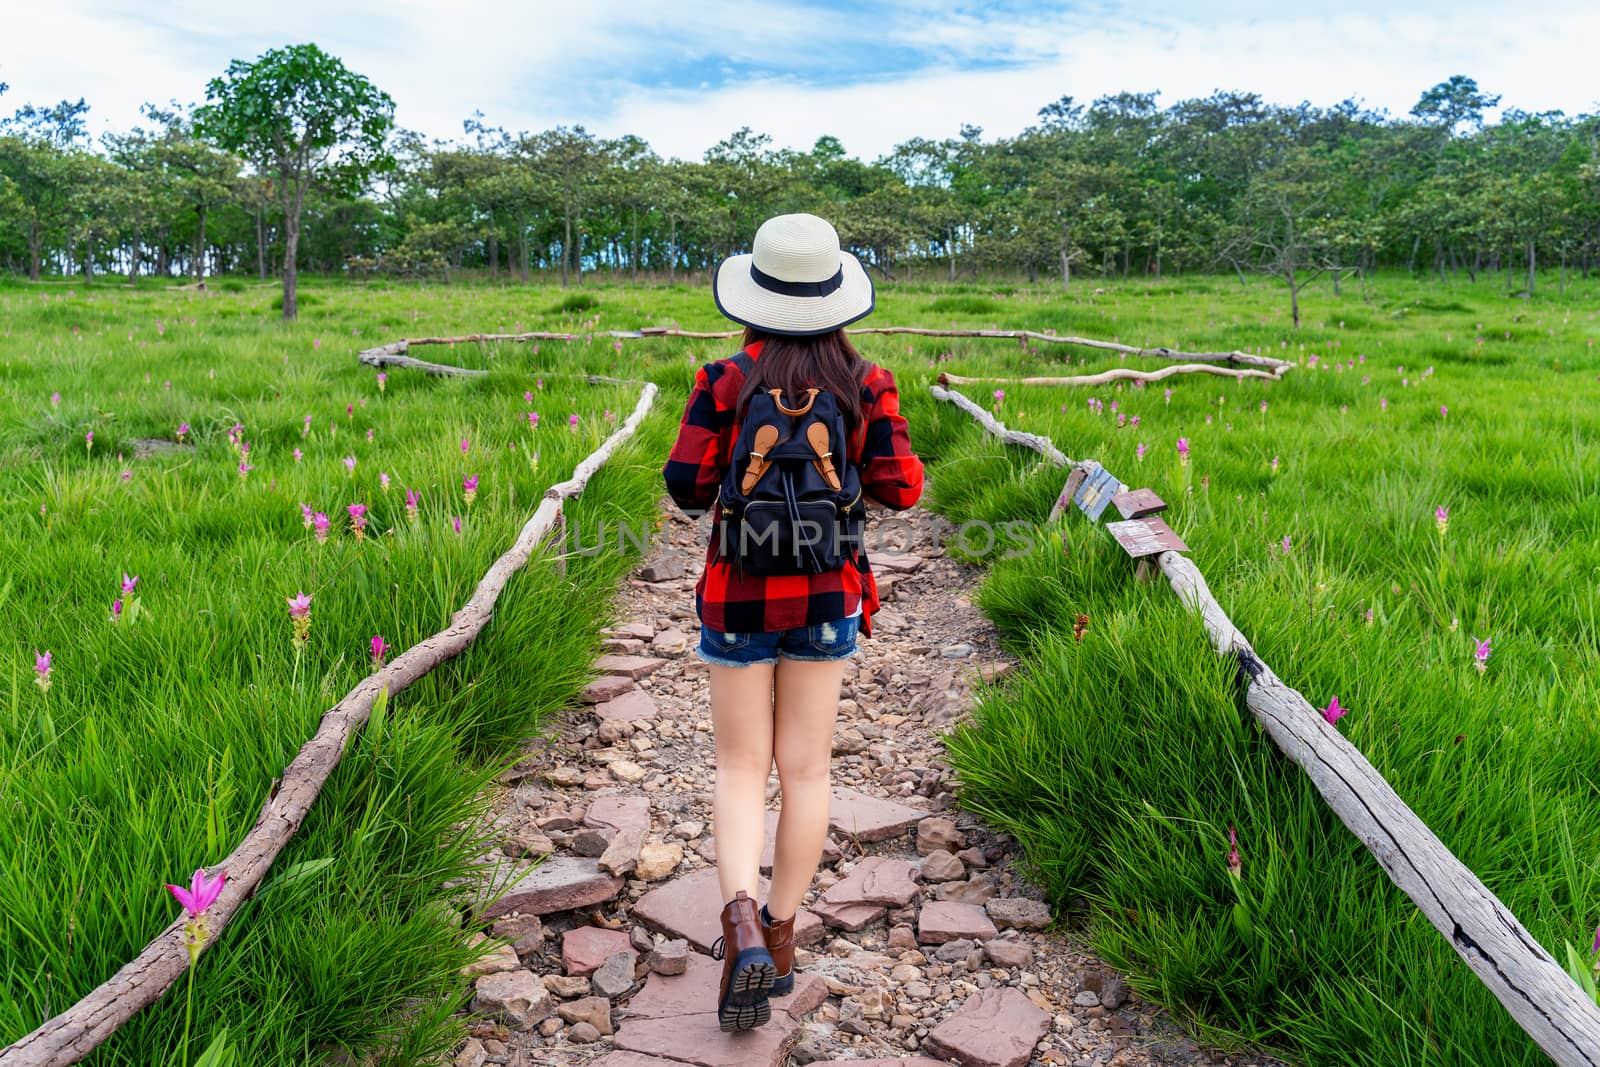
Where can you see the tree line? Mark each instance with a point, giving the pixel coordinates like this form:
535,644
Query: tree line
294,163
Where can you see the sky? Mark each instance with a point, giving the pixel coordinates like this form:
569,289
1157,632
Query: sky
686,75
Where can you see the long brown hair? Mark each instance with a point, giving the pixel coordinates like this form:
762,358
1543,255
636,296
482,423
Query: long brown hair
792,364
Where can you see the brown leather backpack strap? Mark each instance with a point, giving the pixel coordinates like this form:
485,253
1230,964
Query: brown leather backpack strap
777,398
817,438
766,437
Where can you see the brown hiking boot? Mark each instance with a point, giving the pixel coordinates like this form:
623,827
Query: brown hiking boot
747,968
780,942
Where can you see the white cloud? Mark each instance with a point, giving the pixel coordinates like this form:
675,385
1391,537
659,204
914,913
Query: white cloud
601,63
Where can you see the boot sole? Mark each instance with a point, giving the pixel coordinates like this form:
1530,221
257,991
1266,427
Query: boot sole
746,1006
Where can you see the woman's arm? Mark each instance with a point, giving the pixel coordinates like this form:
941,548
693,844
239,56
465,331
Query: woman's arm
891,473
700,456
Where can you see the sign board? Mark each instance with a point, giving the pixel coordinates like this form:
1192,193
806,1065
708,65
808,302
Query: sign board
1137,503
1146,537
1094,495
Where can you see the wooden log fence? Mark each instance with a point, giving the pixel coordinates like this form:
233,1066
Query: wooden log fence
77,1031
1526,979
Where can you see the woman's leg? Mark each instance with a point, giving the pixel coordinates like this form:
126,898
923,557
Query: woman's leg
741,718
807,704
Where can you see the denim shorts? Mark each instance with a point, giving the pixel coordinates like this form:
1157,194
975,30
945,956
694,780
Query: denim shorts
822,642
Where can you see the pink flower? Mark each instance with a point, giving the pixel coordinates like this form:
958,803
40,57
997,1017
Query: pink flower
533,420
1480,655
383,380
369,433
183,431
455,522
1383,403
41,668
1169,401
1134,422
1444,412
528,395
383,480
1286,545
572,420
411,504
1183,450
1274,464
307,515
316,342
320,523
201,894
358,520
350,464
244,469
306,429
298,455
300,616
1441,519
379,650
116,609
55,400
127,476
1138,452
999,397
88,441
1235,863
1263,407
466,446
1333,712
469,488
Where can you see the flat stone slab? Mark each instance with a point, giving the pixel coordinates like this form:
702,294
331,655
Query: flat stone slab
630,706
615,812
559,883
849,917
585,948
909,1061
698,1040
639,631
606,688
1021,913
869,818
940,921
691,993
875,880
634,667
899,563
690,907
708,846
996,1027
632,1059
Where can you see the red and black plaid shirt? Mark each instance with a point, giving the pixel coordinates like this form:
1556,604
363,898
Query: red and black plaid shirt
890,475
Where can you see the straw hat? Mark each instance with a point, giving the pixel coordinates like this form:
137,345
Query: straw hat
794,281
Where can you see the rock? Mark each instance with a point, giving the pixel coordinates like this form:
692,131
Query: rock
907,1061
524,932
849,917
1114,993
517,998
902,937
564,776
875,880
670,957
1086,999
595,1011
946,920
1006,953
899,563
613,811
567,986
639,631
869,818
697,1039
938,832
585,948
951,951
472,1054
1021,913
559,817
610,731
689,906
591,842
583,1034
975,890
849,742
941,866
633,706
973,857
526,842
658,860
689,829
607,687
641,939
995,1027
959,650
560,883
627,771
615,976
622,855
665,568
670,643
496,959
634,667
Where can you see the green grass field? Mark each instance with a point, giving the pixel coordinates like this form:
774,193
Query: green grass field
1118,763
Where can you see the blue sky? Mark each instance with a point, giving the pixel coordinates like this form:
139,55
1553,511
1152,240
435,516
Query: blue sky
684,75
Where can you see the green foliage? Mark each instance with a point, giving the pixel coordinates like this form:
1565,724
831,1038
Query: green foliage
573,303
1120,762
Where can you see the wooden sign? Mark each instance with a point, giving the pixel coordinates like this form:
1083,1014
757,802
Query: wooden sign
1094,495
1137,503
1146,537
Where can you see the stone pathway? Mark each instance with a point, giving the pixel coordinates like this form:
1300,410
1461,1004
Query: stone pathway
922,944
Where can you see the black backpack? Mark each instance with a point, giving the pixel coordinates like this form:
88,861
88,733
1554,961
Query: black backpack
791,500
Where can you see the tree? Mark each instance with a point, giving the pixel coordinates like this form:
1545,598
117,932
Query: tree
40,156
303,118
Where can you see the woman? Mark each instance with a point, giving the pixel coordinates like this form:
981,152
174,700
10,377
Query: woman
776,645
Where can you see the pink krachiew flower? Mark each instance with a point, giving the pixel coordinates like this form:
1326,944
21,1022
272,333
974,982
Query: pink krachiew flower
1333,712
201,894
1441,519
42,666
1235,862
299,605
128,582
1480,654
379,650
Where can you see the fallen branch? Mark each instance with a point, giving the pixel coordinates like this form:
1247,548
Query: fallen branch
1527,981
1125,374
1531,985
1037,442
393,355
72,1035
